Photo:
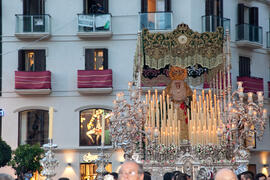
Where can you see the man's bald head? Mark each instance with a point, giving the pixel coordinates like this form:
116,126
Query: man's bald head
225,174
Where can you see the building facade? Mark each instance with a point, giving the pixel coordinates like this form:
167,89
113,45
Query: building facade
76,56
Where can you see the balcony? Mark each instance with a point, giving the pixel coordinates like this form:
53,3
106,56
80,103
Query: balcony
32,82
156,21
33,26
268,89
251,84
210,23
249,36
95,81
94,25
268,40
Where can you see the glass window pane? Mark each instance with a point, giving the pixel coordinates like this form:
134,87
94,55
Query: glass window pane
88,170
99,60
33,127
90,127
29,61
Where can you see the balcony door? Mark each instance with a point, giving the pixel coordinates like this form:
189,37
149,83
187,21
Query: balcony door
148,6
32,60
33,21
248,22
214,14
95,7
156,14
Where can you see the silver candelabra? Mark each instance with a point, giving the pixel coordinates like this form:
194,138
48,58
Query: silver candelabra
127,122
49,162
101,162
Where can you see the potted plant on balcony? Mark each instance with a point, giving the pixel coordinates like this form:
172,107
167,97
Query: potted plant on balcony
25,160
5,153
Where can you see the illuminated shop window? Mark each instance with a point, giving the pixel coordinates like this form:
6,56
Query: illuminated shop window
88,170
33,127
91,127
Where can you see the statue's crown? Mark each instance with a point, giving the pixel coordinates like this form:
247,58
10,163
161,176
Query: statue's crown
177,73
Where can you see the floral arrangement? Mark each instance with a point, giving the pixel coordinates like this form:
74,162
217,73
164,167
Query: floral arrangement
215,153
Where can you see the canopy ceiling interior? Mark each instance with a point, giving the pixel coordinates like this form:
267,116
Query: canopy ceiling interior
200,53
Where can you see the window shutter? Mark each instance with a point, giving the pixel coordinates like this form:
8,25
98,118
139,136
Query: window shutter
41,7
21,60
209,7
26,7
84,7
253,16
89,59
240,14
219,8
40,60
106,6
105,58
143,6
244,66
168,5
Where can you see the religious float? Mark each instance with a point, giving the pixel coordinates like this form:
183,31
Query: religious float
192,122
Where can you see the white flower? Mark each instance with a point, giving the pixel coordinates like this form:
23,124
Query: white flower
108,177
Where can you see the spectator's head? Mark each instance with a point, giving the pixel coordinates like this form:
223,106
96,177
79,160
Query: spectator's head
147,176
130,170
260,176
168,176
6,177
247,175
225,174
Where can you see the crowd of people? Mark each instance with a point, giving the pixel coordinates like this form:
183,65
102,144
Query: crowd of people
130,170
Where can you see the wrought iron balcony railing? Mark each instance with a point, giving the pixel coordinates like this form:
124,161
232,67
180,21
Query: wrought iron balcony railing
156,20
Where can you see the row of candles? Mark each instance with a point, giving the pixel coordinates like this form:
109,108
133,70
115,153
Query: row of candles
205,123
162,120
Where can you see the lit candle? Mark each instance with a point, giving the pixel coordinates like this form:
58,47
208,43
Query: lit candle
250,97
250,110
264,113
50,122
129,85
260,96
103,130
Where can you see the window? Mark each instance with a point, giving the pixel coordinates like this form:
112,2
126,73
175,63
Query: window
33,7
244,66
32,60
155,6
95,6
248,18
33,127
1,126
91,127
248,15
88,170
33,20
213,14
96,59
